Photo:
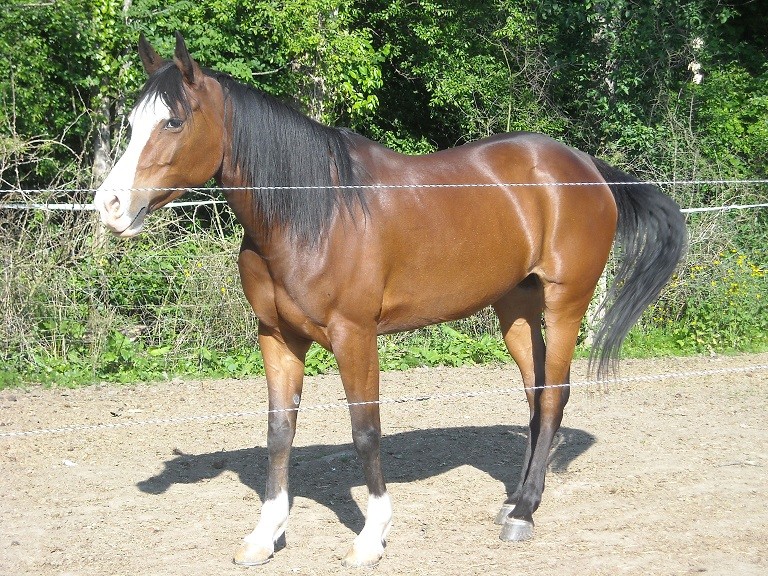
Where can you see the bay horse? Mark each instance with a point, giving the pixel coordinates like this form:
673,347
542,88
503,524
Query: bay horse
367,241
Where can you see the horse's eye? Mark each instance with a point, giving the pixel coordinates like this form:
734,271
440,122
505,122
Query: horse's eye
174,124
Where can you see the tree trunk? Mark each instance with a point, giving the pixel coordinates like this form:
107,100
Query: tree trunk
101,139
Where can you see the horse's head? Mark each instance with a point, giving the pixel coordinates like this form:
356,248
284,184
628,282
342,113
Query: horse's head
177,141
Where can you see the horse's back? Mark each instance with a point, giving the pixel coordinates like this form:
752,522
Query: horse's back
464,226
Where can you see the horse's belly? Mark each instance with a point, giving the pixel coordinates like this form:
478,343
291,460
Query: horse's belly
446,290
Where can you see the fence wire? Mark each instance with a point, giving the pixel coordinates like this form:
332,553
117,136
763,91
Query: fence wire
438,397
80,206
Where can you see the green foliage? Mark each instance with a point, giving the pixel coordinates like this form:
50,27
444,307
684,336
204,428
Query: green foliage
306,50
612,77
419,76
319,361
56,58
441,345
733,114
457,71
726,304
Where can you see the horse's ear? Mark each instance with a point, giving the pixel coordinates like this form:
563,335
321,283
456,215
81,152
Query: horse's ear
151,59
190,70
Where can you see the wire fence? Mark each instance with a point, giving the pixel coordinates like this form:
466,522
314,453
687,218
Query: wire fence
86,206
175,293
438,397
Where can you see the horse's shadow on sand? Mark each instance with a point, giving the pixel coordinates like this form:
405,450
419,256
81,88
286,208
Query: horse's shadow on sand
327,473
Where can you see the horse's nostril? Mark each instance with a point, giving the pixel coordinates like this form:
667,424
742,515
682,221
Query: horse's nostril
113,205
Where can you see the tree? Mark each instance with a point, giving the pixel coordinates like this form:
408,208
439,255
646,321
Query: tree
305,50
42,90
110,37
612,77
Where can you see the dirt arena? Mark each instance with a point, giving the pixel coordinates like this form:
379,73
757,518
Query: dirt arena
650,477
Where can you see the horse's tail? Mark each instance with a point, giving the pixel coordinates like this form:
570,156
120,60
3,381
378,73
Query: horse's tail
652,238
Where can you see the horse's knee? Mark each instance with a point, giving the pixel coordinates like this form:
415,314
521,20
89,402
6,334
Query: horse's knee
280,434
367,439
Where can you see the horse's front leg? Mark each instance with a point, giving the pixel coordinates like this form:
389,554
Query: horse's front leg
284,365
357,356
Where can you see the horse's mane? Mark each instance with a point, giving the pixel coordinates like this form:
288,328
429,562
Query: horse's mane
276,147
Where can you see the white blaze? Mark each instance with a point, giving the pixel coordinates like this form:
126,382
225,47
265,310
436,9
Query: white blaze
121,208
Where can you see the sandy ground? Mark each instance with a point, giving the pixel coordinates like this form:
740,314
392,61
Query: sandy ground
663,476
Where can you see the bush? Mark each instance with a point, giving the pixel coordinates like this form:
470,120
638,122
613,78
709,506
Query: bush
79,306
82,306
725,305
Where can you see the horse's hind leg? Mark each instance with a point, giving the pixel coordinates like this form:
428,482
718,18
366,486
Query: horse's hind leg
284,366
519,315
565,305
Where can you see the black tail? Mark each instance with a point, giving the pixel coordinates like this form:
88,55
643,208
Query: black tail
652,238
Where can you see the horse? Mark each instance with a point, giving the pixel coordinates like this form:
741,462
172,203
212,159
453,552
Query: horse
345,239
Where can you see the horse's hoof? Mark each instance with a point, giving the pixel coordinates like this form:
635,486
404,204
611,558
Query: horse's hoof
505,511
362,559
516,530
252,554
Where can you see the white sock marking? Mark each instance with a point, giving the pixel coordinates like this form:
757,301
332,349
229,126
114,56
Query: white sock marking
378,520
272,522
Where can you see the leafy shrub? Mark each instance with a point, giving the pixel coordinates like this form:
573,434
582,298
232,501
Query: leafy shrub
725,305
79,310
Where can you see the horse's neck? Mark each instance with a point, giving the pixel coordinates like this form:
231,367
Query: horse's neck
241,202
269,241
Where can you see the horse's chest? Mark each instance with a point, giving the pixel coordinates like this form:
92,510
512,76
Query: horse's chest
292,308
279,302
285,312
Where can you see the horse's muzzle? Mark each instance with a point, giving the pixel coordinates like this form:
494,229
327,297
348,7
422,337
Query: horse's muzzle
124,217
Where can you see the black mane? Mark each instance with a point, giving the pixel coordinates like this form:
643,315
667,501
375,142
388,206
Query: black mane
277,147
